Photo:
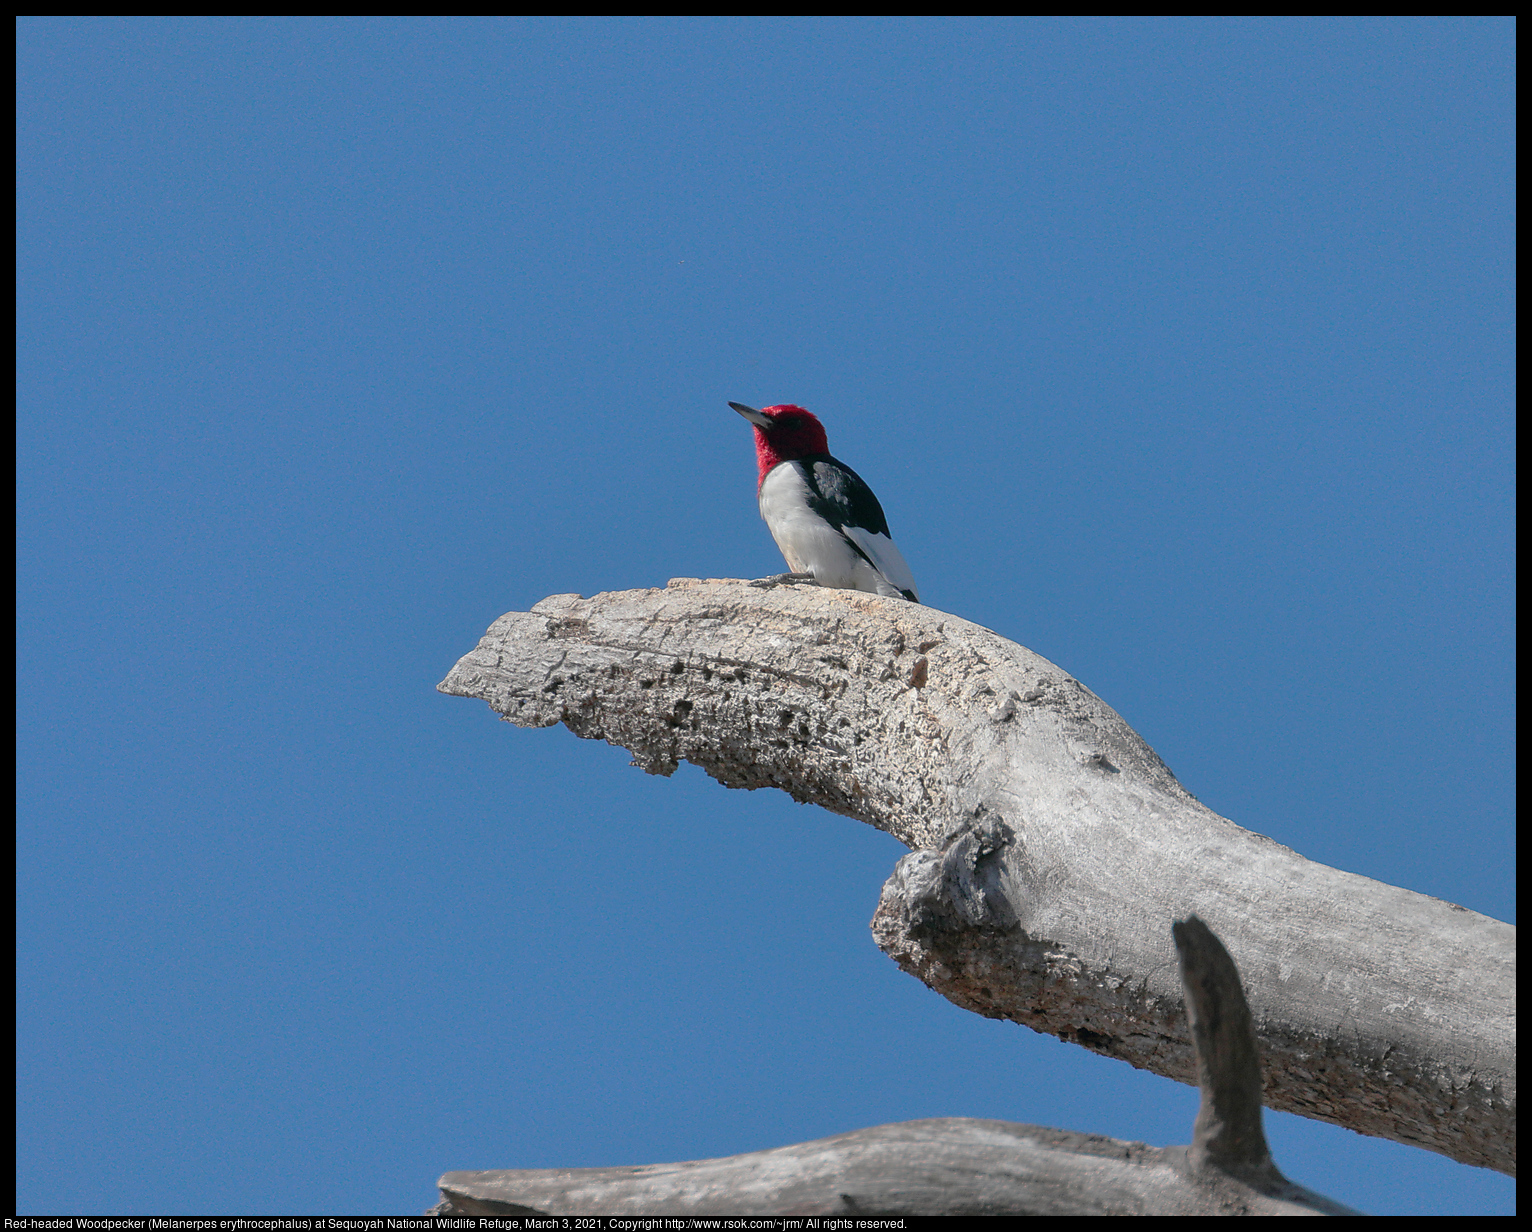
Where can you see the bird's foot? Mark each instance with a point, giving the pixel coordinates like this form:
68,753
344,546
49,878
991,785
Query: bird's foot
784,579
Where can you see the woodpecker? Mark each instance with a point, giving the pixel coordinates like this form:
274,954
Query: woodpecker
827,522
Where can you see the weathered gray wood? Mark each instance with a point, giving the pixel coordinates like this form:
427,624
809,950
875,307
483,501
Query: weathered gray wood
944,1166
956,1166
1051,843
1228,1135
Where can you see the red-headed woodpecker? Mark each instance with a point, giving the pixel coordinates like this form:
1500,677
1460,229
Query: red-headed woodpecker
827,522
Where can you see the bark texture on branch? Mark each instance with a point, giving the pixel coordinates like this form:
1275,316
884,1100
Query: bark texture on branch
944,1166
1050,843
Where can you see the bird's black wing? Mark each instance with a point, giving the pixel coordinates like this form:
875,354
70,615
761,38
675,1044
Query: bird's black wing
840,497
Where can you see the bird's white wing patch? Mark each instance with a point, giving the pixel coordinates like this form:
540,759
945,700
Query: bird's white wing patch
885,557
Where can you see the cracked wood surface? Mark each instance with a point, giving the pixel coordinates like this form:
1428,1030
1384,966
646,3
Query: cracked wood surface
1050,845
942,1166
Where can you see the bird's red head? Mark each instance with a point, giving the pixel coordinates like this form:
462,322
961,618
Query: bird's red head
789,432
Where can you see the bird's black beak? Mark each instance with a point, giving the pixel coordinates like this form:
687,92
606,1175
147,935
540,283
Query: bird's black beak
754,416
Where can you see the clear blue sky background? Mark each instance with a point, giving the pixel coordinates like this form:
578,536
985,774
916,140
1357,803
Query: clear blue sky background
1178,350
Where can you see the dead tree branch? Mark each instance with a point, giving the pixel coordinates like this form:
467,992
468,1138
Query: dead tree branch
1049,842
957,1166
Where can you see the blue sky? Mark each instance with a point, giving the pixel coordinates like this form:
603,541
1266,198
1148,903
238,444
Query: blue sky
1178,350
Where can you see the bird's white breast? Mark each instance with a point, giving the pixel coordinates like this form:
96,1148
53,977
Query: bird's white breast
811,545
